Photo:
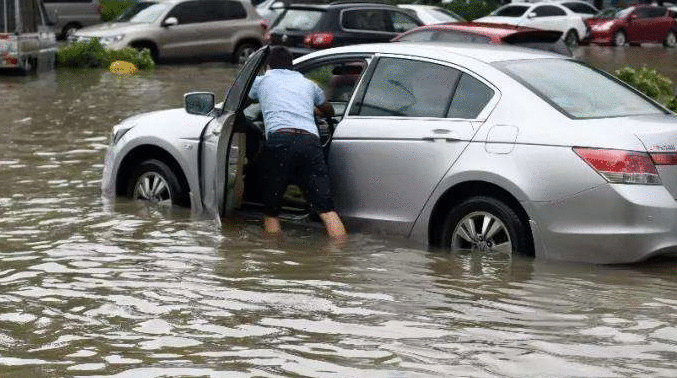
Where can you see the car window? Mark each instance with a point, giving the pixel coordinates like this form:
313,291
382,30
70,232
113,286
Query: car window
656,12
234,10
191,12
578,90
548,11
580,8
470,97
401,22
337,79
451,36
298,19
511,11
418,36
401,87
642,13
366,19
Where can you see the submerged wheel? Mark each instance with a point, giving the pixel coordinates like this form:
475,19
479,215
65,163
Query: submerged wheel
243,52
571,39
485,225
154,181
670,39
620,39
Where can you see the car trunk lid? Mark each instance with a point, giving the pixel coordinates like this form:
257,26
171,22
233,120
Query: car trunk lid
658,134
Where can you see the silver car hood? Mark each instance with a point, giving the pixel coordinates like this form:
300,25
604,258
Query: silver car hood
168,124
110,28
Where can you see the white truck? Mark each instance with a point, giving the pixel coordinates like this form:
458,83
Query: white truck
27,41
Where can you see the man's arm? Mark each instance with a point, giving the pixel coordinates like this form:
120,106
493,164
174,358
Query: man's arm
325,109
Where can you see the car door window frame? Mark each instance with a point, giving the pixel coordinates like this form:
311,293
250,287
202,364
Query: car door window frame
358,97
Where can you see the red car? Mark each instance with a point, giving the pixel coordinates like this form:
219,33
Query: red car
486,33
635,25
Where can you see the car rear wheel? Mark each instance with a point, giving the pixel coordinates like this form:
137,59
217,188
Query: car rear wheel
485,225
670,39
571,39
154,181
243,52
620,39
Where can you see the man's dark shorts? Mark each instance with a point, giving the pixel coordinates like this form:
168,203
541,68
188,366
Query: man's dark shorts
299,159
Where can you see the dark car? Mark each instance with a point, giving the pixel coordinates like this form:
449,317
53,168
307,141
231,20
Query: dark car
305,28
485,33
635,25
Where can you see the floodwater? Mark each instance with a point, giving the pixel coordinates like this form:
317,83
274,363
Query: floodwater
90,288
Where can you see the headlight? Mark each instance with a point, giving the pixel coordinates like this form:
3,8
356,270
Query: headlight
605,26
107,41
118,132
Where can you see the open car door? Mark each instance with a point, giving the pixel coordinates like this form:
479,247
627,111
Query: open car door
216,151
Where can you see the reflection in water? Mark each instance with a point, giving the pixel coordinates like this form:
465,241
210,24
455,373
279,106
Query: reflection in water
91,288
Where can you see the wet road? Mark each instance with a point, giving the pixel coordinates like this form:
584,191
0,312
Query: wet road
96,289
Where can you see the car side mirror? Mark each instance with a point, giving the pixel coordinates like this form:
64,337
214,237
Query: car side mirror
277,5
170,21
200,103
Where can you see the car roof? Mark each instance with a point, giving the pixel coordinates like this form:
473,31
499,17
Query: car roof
340,4
480,52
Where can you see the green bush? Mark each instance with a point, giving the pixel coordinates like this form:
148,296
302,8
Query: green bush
472,9
110,9
92,55
651,83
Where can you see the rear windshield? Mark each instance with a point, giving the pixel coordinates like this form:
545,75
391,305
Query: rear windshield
299,19
578,90
511,11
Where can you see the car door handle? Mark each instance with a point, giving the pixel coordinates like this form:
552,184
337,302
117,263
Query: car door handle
448,139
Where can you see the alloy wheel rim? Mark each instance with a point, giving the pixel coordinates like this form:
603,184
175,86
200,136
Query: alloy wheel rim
152,187
620,39
244,54
482,232
671,40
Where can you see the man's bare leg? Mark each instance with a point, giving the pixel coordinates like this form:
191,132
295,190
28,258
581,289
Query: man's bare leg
271,225
334,225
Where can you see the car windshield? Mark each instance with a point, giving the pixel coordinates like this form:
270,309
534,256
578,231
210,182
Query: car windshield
144,12
298,19
607,13
511,11
578,90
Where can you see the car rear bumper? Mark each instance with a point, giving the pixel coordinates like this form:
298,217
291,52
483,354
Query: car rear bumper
601,38
609,224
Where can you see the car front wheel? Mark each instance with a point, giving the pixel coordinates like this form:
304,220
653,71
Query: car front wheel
154,181
670,39
620,39
243,52
485,225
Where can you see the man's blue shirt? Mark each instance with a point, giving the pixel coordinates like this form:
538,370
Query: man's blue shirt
287,100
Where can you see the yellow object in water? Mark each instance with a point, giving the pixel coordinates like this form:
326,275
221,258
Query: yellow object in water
121,67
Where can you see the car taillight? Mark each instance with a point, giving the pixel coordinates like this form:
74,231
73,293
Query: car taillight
621,167
319,40
664,158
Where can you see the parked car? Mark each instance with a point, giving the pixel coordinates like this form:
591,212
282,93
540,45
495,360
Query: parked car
635,25
27,41
305,28
469,148
71,15
431,14
547,16
579,7
183,29
486,33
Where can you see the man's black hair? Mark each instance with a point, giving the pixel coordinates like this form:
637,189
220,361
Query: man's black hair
280,58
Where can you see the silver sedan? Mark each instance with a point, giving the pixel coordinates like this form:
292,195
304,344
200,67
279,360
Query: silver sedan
475,149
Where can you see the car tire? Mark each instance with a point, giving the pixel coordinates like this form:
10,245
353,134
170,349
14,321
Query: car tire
485,225
154,181
620,39
670,39
571,39
68,30
243,51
